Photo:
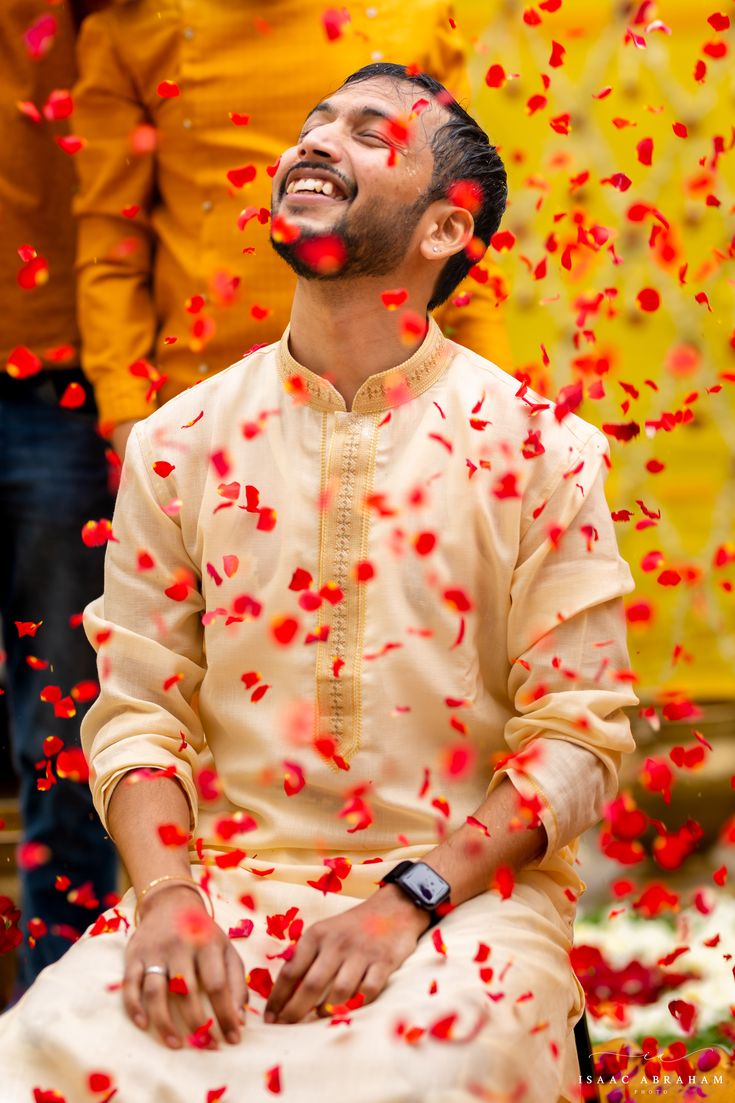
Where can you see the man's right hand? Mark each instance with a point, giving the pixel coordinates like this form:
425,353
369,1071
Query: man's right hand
207,962
119,436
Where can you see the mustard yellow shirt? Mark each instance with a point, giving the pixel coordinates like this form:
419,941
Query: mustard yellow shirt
158,217
36,188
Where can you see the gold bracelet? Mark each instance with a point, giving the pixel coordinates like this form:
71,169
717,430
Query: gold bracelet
180,879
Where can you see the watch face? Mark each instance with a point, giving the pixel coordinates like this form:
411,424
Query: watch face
427,885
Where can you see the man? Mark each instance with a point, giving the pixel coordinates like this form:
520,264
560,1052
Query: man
184,108
363,566
53,480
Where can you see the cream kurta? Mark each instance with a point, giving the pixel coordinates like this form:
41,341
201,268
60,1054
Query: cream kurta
358,614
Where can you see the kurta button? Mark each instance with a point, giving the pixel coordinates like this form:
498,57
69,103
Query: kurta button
186,124
203,369
207,205
188,33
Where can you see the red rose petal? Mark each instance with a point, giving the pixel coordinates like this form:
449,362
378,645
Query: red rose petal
167,89
648,299
22,363
241,176
283,629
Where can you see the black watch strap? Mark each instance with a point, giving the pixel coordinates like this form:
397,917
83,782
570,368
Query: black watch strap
434,918
395,873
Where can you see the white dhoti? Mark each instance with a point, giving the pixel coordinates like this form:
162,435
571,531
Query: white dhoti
503,1035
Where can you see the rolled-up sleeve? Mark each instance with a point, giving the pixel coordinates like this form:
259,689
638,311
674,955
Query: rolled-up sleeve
146,628
569,667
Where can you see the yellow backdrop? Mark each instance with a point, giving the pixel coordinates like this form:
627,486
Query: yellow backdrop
660,362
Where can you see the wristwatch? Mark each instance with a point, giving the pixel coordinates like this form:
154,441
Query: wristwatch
422,885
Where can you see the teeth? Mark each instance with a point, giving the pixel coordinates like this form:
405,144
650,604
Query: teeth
309,184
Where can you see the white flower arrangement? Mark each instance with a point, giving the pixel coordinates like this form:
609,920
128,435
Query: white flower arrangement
626,936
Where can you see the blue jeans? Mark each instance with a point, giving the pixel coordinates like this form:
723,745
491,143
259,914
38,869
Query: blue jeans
53,478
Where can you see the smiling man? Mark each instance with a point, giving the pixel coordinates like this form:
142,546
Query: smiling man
369,236
378,580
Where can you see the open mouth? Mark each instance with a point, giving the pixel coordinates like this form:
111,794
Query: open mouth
305,184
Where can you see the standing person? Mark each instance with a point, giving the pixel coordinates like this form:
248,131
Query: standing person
185,108
53,479
382,585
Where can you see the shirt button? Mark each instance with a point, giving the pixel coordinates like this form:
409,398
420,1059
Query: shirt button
207,205
203,369
188,33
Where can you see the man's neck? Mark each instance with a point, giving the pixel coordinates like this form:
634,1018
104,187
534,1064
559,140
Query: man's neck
344,333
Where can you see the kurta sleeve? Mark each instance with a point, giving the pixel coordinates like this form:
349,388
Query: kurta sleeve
569,667
117,316
147,631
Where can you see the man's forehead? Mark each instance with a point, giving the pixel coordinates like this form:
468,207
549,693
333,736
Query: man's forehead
377,96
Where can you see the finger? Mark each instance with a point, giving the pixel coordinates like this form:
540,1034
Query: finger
131,993
236,980
316,983
154,994
344,986
374,981
189,1003
215,982
289,977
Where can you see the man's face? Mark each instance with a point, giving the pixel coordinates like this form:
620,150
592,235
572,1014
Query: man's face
352,191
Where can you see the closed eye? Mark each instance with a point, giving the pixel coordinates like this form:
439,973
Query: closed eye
382,139
370,134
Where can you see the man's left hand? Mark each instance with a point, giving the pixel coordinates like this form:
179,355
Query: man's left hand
349,953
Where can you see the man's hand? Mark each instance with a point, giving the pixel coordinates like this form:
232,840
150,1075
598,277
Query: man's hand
119,436
176,932
349,953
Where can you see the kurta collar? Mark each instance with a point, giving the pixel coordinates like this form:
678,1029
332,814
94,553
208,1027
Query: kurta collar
380,391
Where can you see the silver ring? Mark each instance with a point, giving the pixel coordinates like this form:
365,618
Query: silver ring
156,969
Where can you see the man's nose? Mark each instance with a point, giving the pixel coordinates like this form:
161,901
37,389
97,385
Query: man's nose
321,142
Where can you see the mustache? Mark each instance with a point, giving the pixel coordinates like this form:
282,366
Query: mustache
319,166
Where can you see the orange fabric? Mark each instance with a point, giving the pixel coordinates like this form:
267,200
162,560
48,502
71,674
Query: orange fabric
36,186
169,157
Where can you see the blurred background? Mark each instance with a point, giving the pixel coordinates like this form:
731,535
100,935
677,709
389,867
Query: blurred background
619,277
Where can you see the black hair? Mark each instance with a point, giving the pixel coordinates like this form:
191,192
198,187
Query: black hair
462,151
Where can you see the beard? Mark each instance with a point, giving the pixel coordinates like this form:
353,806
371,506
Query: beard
373,243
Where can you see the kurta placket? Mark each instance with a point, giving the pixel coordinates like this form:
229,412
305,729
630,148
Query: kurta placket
352,441
349,442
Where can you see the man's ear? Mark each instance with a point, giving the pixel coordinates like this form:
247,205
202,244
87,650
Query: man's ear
450,231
